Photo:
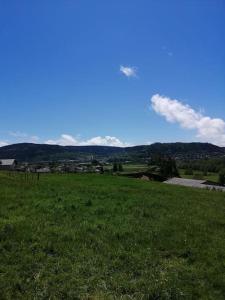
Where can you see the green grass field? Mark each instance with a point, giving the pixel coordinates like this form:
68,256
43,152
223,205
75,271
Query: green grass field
130,167
109,237
134,167
210,176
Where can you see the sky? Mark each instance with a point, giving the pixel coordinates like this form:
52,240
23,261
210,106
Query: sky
118,73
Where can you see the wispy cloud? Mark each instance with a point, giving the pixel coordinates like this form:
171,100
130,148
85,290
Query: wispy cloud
208,129
3,143
63,140
24,137
69,140
167,51
128,71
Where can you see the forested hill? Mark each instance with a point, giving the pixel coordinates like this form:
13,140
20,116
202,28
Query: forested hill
42,152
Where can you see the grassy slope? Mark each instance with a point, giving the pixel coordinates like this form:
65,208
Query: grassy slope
93,236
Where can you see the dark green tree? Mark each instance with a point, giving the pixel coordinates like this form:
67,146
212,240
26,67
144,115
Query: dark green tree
205,171
95,162
168,167
164,165
221,179
120,167
115,167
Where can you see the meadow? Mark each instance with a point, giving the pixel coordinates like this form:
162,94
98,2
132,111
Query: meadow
211,176
130,167
91,236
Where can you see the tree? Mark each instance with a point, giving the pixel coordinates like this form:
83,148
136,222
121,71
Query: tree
120,167
95,162
115,167
168,168
221,179
205,171
166,165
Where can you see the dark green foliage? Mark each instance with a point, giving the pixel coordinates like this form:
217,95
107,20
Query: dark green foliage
221,180
42,152
204,165
95,162
165,166
120,167
115,167
168,168
81,236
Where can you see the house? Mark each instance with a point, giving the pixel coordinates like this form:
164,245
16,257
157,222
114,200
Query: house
7,164
43,170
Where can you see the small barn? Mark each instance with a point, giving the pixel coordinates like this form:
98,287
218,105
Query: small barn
7,164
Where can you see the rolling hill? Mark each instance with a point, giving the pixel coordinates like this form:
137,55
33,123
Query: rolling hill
42,152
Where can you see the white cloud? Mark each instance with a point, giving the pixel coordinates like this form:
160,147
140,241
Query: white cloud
208,129
129,71
24,137
2,143
69,140
106,141
64,140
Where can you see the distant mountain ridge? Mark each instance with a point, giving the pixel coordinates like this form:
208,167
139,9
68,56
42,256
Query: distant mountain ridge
42,152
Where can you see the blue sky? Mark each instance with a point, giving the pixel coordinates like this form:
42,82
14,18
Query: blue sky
86,72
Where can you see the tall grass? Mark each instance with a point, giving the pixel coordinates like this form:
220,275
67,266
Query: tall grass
108,237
